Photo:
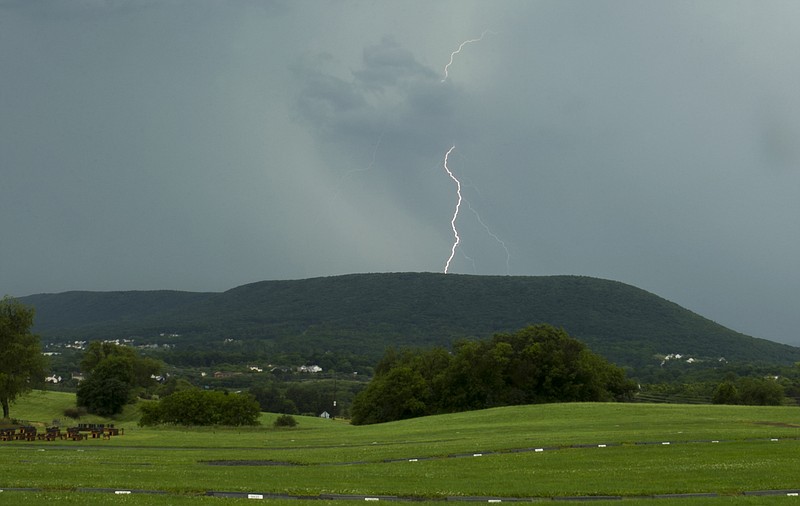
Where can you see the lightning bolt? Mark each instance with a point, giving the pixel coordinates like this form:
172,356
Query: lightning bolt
493,235
455,213
369,167
457,240
460,47
471,260
347,175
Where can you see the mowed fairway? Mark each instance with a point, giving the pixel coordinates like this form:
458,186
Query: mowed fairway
632,451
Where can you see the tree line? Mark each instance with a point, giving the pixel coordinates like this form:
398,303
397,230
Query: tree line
537,364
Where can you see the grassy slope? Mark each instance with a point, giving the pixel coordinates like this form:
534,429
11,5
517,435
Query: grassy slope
378,456
42,407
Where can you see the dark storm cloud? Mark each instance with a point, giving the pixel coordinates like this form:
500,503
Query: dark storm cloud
200,145
389,64
391,92
327,98
396,108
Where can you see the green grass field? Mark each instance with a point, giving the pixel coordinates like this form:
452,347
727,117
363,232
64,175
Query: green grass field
531,452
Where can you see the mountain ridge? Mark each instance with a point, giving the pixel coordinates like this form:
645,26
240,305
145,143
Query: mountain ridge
365,313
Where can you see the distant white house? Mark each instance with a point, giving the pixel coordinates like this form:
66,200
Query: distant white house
324,414
310,368
53,379
677,356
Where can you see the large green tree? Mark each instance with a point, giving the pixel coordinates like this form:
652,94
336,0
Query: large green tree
399,394
22,365
114,375
537,364
141,368
108,387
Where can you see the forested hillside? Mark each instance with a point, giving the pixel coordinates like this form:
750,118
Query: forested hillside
362,314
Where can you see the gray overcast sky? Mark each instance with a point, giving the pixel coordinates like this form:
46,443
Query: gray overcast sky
199,145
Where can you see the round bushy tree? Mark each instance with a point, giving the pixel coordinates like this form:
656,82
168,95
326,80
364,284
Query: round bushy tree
108,388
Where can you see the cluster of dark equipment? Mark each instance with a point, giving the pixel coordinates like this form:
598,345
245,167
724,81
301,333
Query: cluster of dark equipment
82,431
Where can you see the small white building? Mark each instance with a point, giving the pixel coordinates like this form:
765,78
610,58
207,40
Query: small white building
310,368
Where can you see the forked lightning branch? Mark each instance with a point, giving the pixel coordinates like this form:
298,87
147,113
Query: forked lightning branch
456,236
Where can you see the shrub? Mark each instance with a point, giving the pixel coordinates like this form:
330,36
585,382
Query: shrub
201,407
285,421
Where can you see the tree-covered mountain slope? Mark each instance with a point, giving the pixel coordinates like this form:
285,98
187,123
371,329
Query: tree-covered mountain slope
365,313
